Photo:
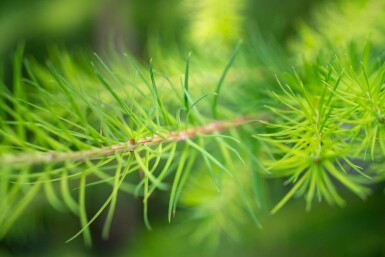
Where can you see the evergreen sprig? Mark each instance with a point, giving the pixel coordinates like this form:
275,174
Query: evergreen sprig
326,126
79,122
61,126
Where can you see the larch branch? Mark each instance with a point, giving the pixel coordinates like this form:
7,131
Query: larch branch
129,146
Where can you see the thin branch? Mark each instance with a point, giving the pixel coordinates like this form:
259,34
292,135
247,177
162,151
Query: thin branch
130,146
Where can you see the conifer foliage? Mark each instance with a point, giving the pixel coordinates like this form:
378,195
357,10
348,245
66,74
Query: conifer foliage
207,129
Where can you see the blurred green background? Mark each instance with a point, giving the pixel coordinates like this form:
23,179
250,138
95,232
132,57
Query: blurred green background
139,27
90,24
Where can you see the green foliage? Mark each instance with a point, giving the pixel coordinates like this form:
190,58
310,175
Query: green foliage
211,138
62,126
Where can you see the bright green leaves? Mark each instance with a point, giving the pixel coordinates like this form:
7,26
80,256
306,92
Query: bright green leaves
19,90
177,184
83,210
363,91
323,130
221,80
73,127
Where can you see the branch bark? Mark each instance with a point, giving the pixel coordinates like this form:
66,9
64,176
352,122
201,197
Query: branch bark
129,146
